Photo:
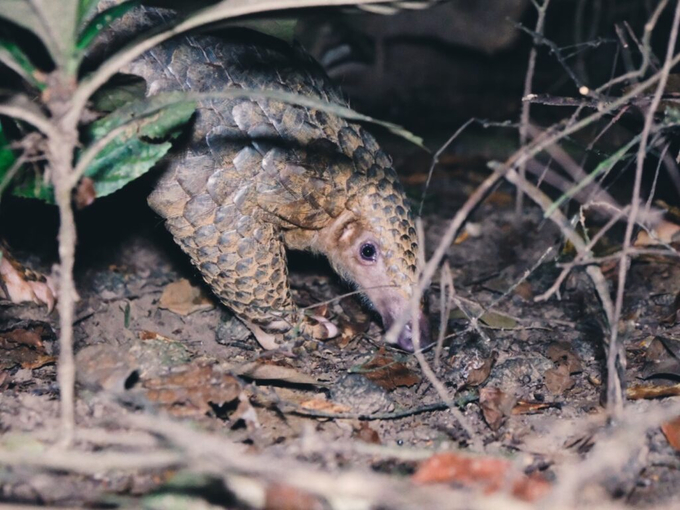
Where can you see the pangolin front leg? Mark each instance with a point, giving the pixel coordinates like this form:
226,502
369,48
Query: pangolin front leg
242,258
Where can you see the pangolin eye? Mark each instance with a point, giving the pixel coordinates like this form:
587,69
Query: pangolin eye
368,252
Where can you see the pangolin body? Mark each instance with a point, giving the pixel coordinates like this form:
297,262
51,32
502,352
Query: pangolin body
258,176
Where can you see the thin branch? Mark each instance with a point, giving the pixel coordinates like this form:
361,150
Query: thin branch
524,120
22,109
435,161
615,360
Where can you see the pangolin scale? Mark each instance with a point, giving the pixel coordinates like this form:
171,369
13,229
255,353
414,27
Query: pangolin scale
258,176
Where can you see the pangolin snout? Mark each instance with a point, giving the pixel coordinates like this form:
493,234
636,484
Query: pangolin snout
405,338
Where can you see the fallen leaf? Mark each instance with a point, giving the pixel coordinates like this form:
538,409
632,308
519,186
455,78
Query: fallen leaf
562,353
496,406
558,380
366,434
665,232
388,373
24,347
358,322
182,298
189,390
493,320
152,335
324,406
652,391
487,473
274,370
105,366
20,284
671,429
477,376
462,237
525,290
524,407
280,496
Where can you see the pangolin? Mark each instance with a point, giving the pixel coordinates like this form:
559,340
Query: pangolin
257,177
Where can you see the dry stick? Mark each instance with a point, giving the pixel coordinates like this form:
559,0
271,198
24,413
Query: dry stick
609,453
524,120
576,171
580,257
439,387
652,191
646,50
561,221
91,463
445,293
435,160
615,393
347,489
516,159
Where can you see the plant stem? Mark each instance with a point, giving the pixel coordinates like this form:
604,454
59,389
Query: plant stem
61,152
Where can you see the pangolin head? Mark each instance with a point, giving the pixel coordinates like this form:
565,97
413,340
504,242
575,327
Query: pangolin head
373,244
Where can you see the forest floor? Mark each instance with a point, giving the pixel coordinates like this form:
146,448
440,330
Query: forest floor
528,376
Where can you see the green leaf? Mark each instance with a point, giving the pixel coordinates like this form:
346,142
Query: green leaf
85,9
21,179
671,116
7,159
121,165
102,21
127,89
31,184
280,27
53,21
142,125
14,57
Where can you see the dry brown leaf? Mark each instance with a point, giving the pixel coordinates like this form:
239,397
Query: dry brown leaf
558,380
652,391
665,232
152,335
324,406
671,429
280,496
20,284
525,290
524,407
487,473
477,376
562,353
388,373
24,347
85,193
182,298
358,322
189,390
496,406
366,434
274,370
462,237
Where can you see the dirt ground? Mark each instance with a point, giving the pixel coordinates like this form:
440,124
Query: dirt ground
529,377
